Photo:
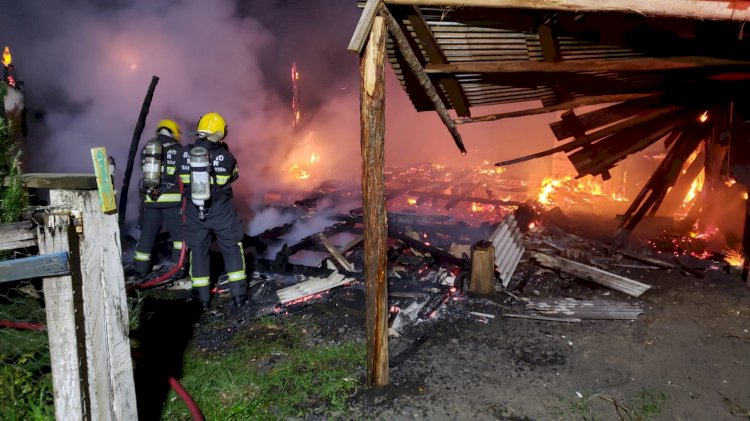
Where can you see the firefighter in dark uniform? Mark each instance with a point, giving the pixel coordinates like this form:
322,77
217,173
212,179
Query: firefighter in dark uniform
209,169
161,193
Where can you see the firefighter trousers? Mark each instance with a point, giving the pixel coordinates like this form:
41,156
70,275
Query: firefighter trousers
153,218
222,221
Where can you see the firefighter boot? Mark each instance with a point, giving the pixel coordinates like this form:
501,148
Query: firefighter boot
204,296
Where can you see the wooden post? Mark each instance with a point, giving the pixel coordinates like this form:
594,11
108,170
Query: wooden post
372,119
111,388
64,307
482,269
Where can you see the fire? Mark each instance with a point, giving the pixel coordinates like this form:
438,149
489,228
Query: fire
695,188
549,185
298,172
477,207
295,96
314,158
6,57
733,257
411,201
703,117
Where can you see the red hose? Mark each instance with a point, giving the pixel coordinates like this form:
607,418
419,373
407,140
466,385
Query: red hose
22,325
164,277
182,393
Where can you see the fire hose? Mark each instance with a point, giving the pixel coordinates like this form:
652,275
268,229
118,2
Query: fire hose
156,281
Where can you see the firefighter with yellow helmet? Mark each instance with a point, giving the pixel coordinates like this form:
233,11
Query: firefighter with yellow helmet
208,170
161,194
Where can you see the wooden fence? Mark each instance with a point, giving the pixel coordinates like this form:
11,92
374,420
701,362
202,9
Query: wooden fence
85,304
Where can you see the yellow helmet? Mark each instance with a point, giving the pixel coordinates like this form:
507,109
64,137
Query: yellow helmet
171,126
212,127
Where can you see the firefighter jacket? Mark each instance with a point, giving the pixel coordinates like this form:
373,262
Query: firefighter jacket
169,189
223,170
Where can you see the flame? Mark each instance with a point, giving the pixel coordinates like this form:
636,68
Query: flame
695,188
6,57
477,207
733,257
314,158
703,117
411,201
549,185
729,182
298,172
744,195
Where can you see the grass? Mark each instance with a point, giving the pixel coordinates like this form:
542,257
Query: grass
645,405
272,376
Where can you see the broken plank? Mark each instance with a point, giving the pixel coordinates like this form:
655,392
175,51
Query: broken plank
345,264
43,266
543,318
311,286
648,260
586,309
17,235
590,273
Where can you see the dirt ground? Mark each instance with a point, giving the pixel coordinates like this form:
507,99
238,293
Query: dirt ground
687,357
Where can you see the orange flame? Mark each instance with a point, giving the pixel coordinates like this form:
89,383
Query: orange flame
703,117
733,257
411,201
6,57
695,188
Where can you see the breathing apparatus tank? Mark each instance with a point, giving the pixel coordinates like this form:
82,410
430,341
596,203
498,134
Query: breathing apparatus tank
152,156
200,180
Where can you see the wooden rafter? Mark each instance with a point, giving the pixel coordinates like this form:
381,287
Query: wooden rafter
603,116
577,102
628,65
697,9
435,55
424,80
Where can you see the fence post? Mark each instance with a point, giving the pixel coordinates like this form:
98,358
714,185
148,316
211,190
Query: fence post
105,311
64,309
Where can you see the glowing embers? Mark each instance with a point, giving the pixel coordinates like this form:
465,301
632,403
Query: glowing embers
733,257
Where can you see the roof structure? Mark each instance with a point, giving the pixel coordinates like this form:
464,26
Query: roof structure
671,70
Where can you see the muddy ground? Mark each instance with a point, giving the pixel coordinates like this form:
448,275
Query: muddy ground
687,357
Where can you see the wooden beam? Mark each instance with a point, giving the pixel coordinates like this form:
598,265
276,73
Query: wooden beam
573,66
359,38
424,80
694,9
372,120
17,235
345,264
45,265
57,181
435,55
594,119
63,305
596,135
104,308
577,102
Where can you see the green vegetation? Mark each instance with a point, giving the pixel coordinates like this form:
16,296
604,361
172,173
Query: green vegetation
645,405
272,376
13,197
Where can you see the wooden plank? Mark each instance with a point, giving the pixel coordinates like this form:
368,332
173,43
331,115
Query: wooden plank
649,260
590,273
45,265
310,287
58,181
345,264
542,318
105,309
644,118
595,309
424,80
456,94
103,180
577,102
63,305
482,269
17,235
361,32
573,66
695,9
602,117
372,121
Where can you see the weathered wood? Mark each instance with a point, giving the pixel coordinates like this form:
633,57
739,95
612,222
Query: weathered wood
105,310
17,235
372,120
602,117
310,287
572,66
695,9
345,264
542,318
362,31
57,181
649,260
577,102
482,269
586,309
46,265
635,121
590,273
63,304
424,80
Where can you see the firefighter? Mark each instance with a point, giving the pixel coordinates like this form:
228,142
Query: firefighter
161,193
209,169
